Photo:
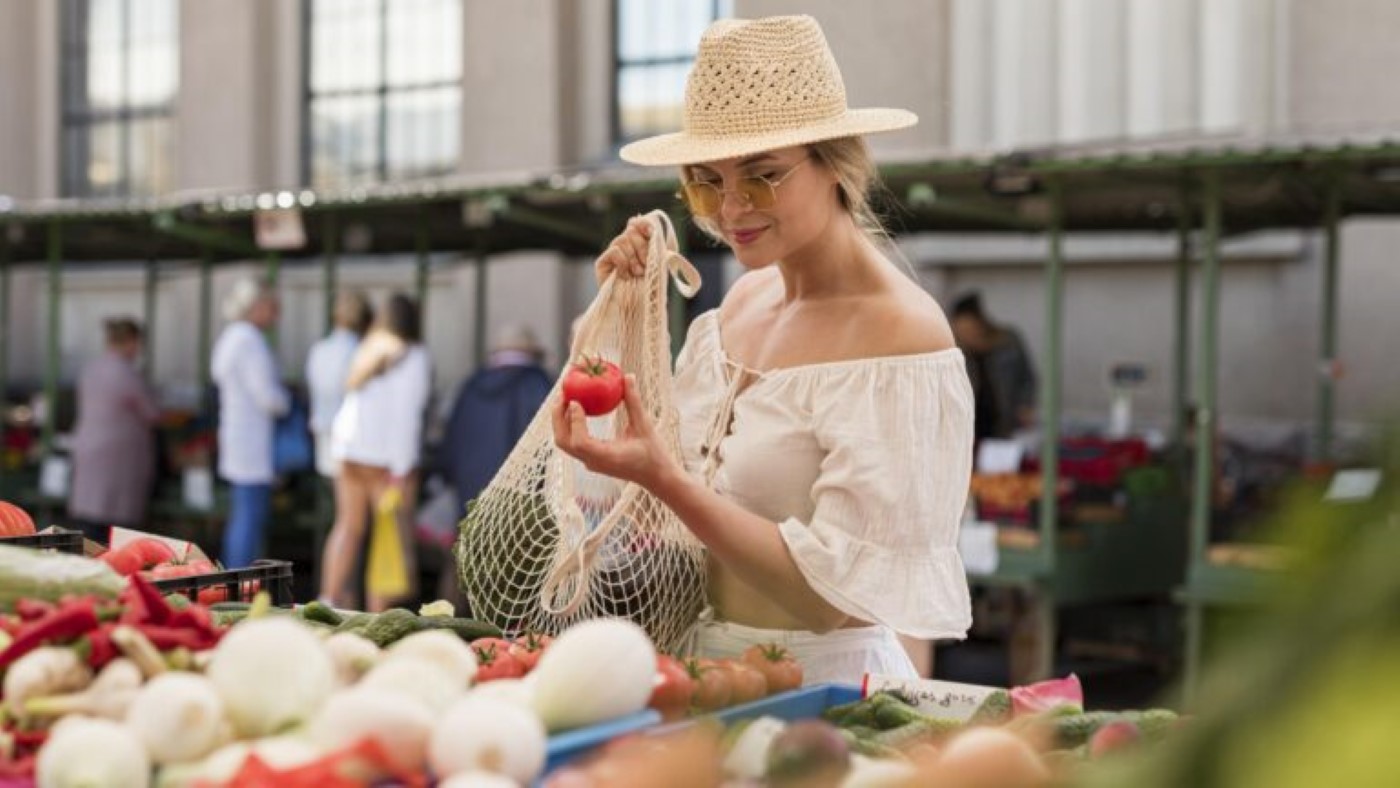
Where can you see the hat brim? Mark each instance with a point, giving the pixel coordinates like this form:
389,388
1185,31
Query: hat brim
680,148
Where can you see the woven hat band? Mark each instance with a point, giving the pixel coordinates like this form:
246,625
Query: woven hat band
768,75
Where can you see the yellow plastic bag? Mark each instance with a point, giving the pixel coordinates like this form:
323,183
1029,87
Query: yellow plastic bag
386,574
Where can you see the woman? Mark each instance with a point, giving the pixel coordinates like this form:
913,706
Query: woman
251,397
822,354
376,439
113,445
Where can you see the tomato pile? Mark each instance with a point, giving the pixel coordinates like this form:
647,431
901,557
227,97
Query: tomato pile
154,559
703,685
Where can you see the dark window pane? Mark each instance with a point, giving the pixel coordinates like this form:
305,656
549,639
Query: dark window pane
345,140
423,136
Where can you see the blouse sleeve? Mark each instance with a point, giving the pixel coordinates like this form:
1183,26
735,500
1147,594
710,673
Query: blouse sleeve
882,542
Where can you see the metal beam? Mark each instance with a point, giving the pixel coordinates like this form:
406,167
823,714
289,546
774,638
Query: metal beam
4,313
206,237
51,364
420,243
329,231
479,317
206,297
1327,348
541,220
1050,381
1182,329
148,314
1206,368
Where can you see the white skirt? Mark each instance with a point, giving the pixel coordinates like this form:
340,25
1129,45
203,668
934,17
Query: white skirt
842,656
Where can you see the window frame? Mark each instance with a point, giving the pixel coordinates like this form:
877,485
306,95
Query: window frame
615,131
381,92
76,113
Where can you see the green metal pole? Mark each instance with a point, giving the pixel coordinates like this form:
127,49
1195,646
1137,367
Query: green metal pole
206,298
1050,381
1182,294
54,339
328,267
1206,369
420,243
274,276
1327,382
480,307
5,253
148,315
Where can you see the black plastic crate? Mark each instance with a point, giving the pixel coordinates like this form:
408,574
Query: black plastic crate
62,540
239,585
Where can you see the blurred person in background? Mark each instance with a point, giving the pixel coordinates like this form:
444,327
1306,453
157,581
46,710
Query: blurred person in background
327,367
1003,377
113,441
492,410
251,397
376,437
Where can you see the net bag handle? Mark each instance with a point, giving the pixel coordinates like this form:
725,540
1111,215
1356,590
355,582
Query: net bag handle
565,587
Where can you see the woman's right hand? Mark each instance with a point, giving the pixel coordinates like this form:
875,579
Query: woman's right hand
627,254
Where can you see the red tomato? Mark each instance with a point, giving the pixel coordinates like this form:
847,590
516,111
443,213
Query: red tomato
14,521
123,561
747,681
674,687
713,686
152,552
594,383
777,665
495,662
528,648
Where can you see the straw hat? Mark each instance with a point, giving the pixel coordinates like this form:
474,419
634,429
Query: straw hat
758,85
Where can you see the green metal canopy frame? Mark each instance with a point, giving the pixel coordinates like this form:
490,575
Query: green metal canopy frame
1223,186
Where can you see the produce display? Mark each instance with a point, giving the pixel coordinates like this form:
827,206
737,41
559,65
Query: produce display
14,521
105,680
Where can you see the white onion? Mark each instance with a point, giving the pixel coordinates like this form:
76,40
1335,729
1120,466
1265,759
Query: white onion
480,734
595,671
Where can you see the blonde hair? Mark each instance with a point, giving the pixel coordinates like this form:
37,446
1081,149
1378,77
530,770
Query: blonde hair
857,182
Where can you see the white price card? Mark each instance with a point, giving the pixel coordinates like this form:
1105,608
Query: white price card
947,700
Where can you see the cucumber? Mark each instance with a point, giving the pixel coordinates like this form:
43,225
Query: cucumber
356,622
391,625
322,613
1075,729
230,607
911,733
896,714
995,709
467,629
40,574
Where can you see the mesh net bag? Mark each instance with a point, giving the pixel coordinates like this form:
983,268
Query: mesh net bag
549,543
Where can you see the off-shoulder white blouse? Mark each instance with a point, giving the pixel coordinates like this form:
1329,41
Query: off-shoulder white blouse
863,464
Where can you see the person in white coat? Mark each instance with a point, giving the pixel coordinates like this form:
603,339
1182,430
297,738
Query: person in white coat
376,438
251,397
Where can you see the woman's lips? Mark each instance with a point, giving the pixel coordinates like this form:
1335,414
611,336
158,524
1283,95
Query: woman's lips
746,237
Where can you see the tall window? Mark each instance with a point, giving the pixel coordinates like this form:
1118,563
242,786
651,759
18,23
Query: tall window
120,71
383,90
655,45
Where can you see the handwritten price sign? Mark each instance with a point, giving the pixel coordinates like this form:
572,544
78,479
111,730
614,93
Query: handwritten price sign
947,700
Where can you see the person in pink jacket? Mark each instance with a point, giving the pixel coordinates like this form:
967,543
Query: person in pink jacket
113,443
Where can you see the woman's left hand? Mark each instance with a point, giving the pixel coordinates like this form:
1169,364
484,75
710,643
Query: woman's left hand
638,456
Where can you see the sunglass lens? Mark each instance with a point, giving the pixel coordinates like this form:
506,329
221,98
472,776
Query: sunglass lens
702,198
758,192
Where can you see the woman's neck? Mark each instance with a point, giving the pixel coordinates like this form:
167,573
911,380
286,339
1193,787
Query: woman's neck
839,261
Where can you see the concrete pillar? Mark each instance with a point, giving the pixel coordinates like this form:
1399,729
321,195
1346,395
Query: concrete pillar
510,86
970,49
1162,66
1236,76
1092,88
1025,99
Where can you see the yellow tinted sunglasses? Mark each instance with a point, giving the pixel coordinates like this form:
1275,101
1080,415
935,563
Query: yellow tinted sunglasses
705,199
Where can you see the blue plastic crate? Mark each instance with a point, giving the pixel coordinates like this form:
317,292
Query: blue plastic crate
567,746
804,703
